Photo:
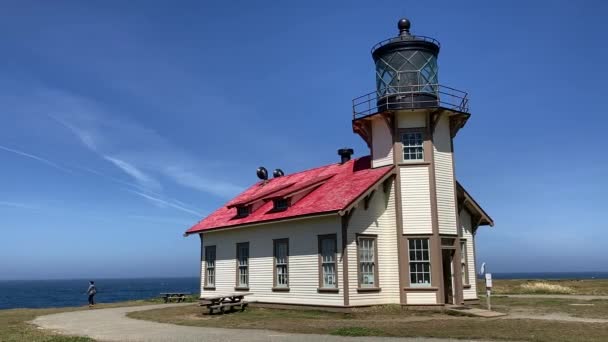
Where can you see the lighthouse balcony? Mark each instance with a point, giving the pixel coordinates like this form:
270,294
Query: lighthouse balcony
410,97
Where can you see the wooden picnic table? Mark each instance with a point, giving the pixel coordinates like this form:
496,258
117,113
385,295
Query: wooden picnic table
176,296
222,301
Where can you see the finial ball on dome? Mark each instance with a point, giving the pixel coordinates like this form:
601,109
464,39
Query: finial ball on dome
404,24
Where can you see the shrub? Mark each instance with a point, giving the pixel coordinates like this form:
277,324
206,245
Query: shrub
545,288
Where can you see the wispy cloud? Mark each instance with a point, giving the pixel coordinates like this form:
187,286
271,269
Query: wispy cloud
140,177
141,153
192,180
143,184
165,203
160,219
35,157
18,205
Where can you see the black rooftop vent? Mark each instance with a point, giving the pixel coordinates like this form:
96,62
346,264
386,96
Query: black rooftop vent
345,154
262,173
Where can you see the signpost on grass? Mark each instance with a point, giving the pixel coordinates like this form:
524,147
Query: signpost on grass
489,289
488,276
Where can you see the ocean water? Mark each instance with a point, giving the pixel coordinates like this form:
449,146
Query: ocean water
61,293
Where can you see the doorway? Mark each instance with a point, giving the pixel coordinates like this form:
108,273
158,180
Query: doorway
448,275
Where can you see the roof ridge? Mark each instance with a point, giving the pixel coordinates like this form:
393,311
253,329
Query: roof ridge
322,166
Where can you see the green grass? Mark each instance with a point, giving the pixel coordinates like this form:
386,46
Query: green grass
15,326
596,287
543,306
398,322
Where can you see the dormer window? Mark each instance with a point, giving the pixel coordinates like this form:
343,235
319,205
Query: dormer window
280,204
242,211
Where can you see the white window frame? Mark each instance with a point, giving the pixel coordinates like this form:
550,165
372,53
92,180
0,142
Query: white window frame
367,259
413,147
281,263
242,264
464,262
418,261
210,260
328,261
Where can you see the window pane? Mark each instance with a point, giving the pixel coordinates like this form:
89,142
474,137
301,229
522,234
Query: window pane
420,267
367,267
328,262
210,265
412,146
282,277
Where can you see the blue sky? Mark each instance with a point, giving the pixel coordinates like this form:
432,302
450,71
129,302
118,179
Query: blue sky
123,123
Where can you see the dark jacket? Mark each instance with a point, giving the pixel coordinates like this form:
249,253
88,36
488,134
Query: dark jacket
92,290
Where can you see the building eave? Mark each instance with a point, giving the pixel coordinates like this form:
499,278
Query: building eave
470,204
265,222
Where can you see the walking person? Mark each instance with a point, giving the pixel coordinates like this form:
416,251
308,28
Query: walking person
91,291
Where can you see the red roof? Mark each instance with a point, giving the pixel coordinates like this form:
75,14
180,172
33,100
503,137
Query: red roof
341,184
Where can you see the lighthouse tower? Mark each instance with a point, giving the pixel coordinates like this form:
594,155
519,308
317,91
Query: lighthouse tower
410,121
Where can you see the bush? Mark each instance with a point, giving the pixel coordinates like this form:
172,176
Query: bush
545,288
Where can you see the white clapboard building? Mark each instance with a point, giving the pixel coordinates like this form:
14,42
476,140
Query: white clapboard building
394,227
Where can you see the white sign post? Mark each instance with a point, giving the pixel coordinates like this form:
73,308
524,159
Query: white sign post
489,289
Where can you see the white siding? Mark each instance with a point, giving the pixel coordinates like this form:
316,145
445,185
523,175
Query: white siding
303,260
416,200
417,298
466,226
411,120
378,219
382,144
444,178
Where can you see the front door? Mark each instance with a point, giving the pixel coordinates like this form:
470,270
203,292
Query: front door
448,275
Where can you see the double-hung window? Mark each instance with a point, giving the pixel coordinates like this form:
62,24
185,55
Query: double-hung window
463,262
420,263
281,266
242,259
368,270
412,146
210,266
327,262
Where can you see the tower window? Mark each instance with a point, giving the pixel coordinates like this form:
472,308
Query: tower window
281,204
420,263
242,211
412,146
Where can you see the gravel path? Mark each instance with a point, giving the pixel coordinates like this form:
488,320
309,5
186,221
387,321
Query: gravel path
114,325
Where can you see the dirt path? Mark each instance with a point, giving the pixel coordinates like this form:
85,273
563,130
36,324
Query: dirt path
114,325
573,297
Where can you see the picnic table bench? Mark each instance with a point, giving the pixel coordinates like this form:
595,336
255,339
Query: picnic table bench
174,296
222,301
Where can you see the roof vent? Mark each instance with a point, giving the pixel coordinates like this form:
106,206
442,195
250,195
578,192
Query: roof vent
345,154
262,173
278,173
